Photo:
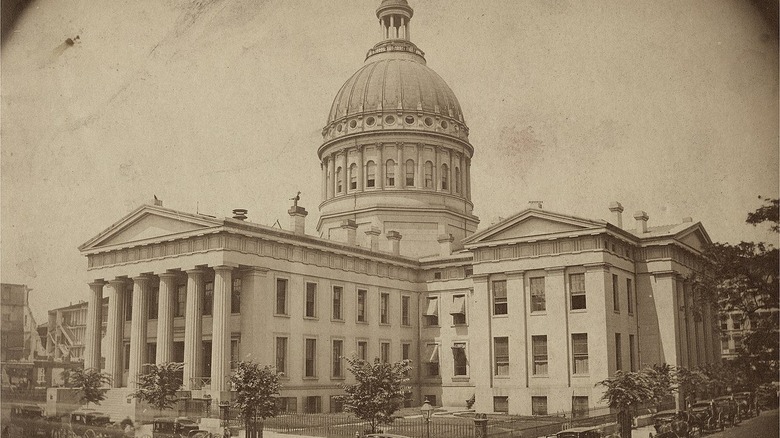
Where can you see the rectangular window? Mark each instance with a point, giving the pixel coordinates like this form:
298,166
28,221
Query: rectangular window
539,344
362,295
362,347
151,354
405,301
235,357
313,404
287,405
459,359
501,404
281,355
631,354
129,304
736,324
281,296
579,348
579,406
431,360
127,356
458,310
384,352
577,291
724,345
538,405
235,296
431,314
384,308
630,296
310,365
338,292
406,349
618,353
181,300
338,352
538,302
615,293
154,300
336,404
501,353
208,298
311,300
499,298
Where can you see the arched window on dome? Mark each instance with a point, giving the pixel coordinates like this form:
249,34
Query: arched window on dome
338,180
353,177
428,175
445,172
457,179
410,173
390,173
370,174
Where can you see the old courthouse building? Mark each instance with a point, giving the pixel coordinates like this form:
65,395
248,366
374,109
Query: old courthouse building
526,314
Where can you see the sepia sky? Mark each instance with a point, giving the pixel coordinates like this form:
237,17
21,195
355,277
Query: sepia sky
666,106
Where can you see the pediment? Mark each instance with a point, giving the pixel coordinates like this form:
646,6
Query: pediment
695,237
149,223
533,223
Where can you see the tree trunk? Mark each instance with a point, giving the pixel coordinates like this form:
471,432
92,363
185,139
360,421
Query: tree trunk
624,423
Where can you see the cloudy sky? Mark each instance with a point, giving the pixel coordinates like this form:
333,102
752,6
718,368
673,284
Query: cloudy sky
666,106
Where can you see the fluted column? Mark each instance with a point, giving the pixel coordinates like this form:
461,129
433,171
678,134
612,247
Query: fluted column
165,307
324,184
420,168
381,165
361,165
436,170
193,329
452,173
220,338
345,173
400,172
138,328
94,323
332,176
114,332
462,176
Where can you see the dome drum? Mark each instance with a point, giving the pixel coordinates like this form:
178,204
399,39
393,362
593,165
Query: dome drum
379,121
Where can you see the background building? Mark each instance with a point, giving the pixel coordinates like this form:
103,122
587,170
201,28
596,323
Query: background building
527,314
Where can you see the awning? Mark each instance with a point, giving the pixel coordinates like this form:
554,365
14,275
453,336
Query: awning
431,353
458,305
433,307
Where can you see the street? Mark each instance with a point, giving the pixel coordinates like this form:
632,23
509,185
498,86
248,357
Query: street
763,426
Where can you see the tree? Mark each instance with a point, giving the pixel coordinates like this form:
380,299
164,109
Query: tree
743,280
90,382
662,379
624,390
159,384
378,391
256,388
692,383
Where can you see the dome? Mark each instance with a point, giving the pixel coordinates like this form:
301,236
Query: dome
395,85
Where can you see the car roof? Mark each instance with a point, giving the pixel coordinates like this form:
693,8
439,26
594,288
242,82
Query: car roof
668,411
582,429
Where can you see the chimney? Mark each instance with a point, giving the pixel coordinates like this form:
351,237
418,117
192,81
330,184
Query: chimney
394,237
617,213
298,219
350,227
157,202
687,219
445,244
373,234
641,221
239,214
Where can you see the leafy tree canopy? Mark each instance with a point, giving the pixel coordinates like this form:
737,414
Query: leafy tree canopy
90,382
158,386
378,391
256,390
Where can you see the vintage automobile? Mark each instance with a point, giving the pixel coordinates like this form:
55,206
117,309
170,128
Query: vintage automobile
583,432
174,427
706,415
674,424
91,424
729,409
747,404
27,420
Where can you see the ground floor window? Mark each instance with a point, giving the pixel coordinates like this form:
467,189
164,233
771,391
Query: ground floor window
287,404
539,405
501,404
313,404
579,406
336,404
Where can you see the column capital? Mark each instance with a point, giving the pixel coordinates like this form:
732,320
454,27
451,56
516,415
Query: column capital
379,146
222,268
515,274
196,271
167,275
97,283
118,281
142,278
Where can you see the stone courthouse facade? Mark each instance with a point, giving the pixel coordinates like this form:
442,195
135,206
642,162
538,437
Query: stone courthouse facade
527,314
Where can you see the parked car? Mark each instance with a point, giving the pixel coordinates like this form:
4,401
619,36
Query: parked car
92,424
581,432
747,404
674,424
729,409
27,420
173,427
706,415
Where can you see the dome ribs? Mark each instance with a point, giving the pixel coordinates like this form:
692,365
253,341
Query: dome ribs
391,86
366,88
354,107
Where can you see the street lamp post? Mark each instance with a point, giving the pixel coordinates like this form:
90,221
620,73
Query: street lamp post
427,410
